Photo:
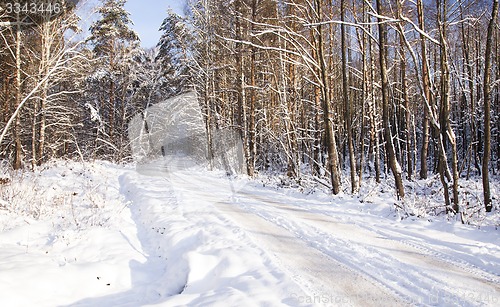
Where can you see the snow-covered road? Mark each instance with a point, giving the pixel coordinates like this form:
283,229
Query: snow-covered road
310,249
170,233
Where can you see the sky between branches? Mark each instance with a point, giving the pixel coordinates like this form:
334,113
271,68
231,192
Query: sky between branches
147,16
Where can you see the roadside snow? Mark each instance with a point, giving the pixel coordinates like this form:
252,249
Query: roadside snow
170,233
66,233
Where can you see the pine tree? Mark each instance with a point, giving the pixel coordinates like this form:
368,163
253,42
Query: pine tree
172,54
115,44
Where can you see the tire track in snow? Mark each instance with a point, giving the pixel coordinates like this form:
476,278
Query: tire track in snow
324,277
181,224
440,291
430,251
403,272
355,257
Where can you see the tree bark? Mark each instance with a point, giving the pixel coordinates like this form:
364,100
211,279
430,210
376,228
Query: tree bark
252,139
374,114
447,132
389,144
17,123
487,109
46,53
405,97
345,97
427,92
331,143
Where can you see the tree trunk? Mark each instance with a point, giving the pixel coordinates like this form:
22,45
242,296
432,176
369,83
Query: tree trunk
241,88
472,156
333,159
17,123
347,102
111,110
447,132
389,144
408,115
318,161
111,102
374,115
363,39
46,50
487,109
427,92
405,97
252,140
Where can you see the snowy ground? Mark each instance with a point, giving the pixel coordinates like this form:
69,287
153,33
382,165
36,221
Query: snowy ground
172,234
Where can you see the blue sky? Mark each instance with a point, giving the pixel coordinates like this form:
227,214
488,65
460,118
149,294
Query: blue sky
148,15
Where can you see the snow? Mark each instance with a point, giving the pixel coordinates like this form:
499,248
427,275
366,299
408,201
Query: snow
171,233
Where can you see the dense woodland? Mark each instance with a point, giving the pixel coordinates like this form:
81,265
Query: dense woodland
345,90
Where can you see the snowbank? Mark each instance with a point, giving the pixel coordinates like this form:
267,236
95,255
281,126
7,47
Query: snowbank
65,233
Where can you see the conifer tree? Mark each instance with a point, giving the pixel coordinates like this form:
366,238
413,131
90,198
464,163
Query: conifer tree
114,45
173,54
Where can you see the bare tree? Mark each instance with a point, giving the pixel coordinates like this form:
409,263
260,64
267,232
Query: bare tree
331,143
487,107
345,97
389,144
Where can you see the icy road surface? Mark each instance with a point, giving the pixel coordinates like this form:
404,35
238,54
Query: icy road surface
170,233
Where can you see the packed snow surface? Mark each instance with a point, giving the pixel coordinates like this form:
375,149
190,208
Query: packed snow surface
171,233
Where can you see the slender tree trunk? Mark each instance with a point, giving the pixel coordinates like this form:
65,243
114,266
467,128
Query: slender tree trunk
317,107
331,143
34,133
408,121
487,108
389,144
111,109
427,92
17,123
46,50
405,97
7,104
472,156
479,92
43,124
363,38
241,87
252,140
374,115
208,119
447,132
111,97
318,161
347,101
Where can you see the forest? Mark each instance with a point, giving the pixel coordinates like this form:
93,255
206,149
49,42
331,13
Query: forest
342,91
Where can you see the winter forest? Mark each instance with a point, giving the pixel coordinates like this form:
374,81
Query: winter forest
263,153
340,91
